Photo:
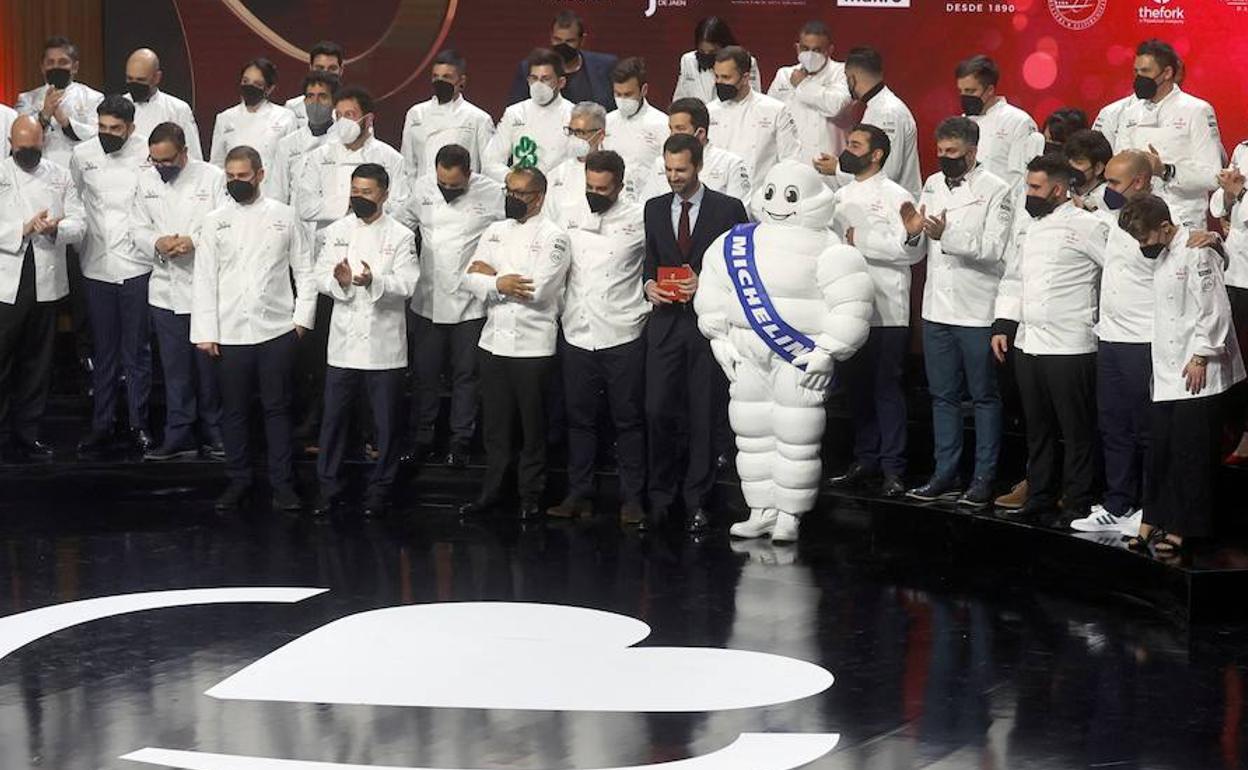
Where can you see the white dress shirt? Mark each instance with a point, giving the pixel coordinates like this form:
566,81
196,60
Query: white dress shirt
1052,269
176,208
107,184
814,102
243,267
368,328
1004,145
78,104
695,208
541,126
758,128
7,116
261,130
1184,130
1109,118
722,171
1193,319
166,108
872,208
539,250
323,187
449,233
639,141
1126,303
965,266
700,84
430,126
292,151
1237,212
604,305
49,188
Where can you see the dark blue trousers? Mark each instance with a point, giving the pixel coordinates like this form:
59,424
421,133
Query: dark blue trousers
872,379
384,388
245,371
192,394
120,336
1124,372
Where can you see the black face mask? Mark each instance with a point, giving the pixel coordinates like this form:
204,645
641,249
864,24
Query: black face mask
443,90
111,143
168,173
972,105
1144,87
851,163
953,168
1114,200
362,207
1039,207
726,92
598,202
58,77
27,158
566,52
1077,178
1152,250
240,189
140,92
252,95
705,60
451,194
514,208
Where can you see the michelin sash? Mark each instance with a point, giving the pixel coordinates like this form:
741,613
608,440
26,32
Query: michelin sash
784,340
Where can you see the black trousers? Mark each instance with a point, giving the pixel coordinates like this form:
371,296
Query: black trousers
619,374
1124,375
1059,400
872,379
191,391
384,389
513,391
1235,400
684,386
1186,437
27,331
243,371
309,372
431,346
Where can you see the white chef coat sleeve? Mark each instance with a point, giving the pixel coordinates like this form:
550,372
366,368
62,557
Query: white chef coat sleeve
1096,240
848,298
407,145
982,239
888,243
186,119
306,190
788,145
902,165
483,287
551,272
481,140
12,241
738,183
498,151
205,302
1217,204
408,214
305,278
680,92
27,105
86,127
1027,143
1009,305
73,225
1213,318
399,282
1198,174
218,148
779,84
277,176
326,283
827,101
756,80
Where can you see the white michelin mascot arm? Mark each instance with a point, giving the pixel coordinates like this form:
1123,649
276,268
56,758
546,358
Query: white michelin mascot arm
848,294
711,304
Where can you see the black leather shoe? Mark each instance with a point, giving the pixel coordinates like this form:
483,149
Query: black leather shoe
478,507
375,508
457,457
98,442
530,510
34,450
936,489
142,440
654,521
978,495
856,475
892,488
167,452
417,455
699,522
328,506
286,499
571,508
1032,510
233,496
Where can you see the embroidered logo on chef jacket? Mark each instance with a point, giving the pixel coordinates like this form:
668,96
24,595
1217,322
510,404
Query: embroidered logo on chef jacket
223,225
89,166
279,226
341,243
228,130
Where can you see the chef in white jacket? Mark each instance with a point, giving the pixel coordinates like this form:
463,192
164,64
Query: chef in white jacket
816,93
635,128
1196,358
722,171
1005,131
247,315
1227,204
1110,117
40,214
864,69
65,107
566,183
868,217
173,199
445,118
531,132
152,106
367,263
695,78
753,125
450,209
325,58
255,121
319,91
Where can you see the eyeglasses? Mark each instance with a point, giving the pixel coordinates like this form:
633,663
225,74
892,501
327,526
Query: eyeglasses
582,133
166,162
518,193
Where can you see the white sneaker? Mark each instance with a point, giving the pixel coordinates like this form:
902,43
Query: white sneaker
1129,525
785,530
1098,520
760,524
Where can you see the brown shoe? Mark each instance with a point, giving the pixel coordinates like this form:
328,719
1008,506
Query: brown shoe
571,508
632,513
1014,499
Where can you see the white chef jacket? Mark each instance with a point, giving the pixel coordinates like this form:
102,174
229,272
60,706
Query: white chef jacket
449,233
430,126
292,151
23,195
1004,145
167,108
526,120
177,208
368,327
814,103
243,267
565,191
639,140
965,266
1108,119
539,250
1237,238
107,184
722,171
79,103
299,108
1193,319
872,208
604,305
261,130
758,128
1050,286
1184,130
7,116
1126,302
700,84
323,187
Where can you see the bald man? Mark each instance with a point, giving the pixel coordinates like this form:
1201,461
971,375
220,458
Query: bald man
40,214
153,106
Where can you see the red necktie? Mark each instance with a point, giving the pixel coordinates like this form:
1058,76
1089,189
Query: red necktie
684,239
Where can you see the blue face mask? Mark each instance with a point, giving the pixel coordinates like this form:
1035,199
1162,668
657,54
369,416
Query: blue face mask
1114,200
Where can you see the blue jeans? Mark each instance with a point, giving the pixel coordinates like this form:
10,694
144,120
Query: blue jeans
959,358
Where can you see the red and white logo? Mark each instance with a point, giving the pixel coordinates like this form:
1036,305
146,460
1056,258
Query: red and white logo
1077,14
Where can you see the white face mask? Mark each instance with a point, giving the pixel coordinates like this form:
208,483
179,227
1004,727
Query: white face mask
628,107
346,130
812,61
541,93
579,147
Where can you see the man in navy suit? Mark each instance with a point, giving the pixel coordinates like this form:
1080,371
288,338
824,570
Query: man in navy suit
588,73
685,390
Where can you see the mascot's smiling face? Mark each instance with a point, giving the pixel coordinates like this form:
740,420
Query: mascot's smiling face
793,194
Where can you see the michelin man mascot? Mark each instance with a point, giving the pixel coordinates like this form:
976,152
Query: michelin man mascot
780,302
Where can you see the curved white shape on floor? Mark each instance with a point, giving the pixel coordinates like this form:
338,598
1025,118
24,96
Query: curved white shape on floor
497,655
19,630
751,751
